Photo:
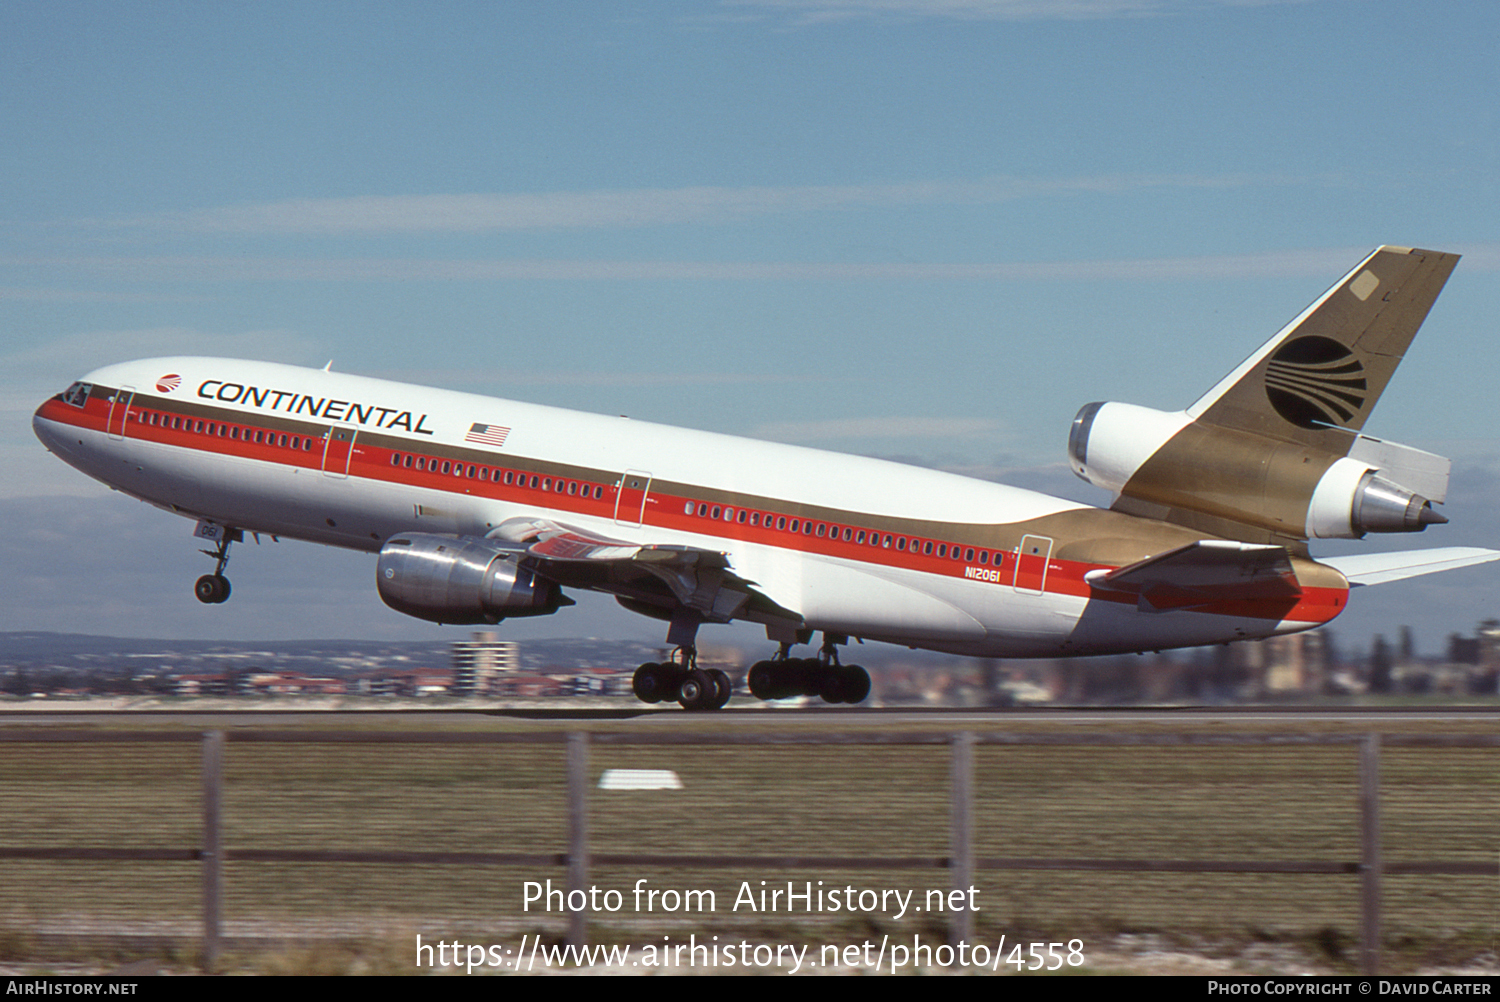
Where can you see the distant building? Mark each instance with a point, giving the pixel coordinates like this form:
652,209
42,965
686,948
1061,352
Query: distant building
479,662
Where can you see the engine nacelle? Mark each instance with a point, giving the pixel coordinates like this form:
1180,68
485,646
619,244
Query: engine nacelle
1353,499
1252,479
460,580
1109,441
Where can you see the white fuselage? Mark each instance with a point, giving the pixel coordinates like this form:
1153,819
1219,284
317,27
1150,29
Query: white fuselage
851,545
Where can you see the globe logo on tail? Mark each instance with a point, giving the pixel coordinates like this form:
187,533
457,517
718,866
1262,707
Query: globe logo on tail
1315,382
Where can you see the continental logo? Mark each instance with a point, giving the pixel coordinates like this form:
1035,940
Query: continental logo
1315,381
319,407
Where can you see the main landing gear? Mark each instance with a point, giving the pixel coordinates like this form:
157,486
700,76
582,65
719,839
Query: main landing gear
213,589
680,679
782,677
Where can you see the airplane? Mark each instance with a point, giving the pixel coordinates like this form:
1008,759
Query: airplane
481,509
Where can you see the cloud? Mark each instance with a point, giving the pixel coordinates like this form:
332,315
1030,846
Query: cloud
877,427
811,12
89,296
491,378
101,347
1267,264
629,208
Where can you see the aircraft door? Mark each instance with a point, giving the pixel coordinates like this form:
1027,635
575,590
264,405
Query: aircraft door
119,412
1032,557
338,448
630,498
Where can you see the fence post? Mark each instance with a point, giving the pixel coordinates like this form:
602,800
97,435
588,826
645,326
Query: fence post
578,831
961,833
1369,854
211,851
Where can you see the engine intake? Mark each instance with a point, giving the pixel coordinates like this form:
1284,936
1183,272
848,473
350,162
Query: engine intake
461,580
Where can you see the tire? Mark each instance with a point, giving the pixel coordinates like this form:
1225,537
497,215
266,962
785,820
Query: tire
697,691
212,589
725,688
831,685
856,684
649,683
762,680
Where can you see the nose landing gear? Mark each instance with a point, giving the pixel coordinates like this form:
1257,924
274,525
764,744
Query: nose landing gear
213,589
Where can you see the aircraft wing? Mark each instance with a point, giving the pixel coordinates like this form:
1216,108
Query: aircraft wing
699,579
1378,568
1203,573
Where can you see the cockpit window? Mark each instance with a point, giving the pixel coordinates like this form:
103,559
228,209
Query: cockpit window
78,394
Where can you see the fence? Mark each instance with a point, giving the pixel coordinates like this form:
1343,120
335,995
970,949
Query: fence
1350,841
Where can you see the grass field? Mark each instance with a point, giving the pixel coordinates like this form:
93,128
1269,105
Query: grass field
1256,802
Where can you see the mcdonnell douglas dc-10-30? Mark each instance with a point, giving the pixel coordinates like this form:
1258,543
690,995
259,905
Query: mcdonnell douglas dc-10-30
482,509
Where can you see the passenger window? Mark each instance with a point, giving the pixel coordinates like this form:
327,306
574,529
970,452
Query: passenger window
687,509
781,521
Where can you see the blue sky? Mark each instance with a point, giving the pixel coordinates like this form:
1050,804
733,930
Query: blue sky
923,230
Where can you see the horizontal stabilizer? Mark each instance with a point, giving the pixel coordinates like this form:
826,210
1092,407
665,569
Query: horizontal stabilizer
1378,568
1203,573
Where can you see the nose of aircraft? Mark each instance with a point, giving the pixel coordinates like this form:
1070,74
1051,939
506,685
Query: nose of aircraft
53,434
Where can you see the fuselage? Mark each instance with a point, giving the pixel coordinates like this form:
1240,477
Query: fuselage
851,545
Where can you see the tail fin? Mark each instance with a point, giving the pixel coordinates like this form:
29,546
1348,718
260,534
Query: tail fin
1273,453
1327,368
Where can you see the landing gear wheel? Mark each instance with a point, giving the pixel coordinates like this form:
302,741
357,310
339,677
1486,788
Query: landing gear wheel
212,589
762,680
831,684
650,683
724,687
697,691
856,684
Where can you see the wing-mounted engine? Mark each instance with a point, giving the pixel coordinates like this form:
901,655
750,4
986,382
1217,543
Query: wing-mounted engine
462,580
1274,452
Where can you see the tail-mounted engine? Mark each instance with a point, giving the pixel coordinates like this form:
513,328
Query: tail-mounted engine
1292,489
461,580
1275,449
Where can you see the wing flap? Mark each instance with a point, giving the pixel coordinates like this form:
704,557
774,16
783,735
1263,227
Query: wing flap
698,579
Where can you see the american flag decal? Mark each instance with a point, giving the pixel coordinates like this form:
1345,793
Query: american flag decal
487,434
